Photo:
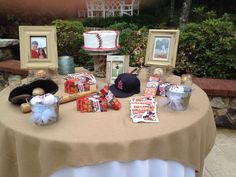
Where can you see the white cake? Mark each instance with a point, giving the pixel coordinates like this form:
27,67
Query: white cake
104,40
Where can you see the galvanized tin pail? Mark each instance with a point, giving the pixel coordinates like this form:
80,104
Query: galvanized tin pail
66,65
179,100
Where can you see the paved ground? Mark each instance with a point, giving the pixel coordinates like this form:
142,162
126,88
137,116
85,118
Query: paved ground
221,162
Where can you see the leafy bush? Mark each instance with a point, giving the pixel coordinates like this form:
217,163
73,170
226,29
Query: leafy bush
200,14
208,49
8,25
123,25
140,21
2,32
69,38
132,41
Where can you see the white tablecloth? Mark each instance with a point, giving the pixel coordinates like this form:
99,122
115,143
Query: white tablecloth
137,168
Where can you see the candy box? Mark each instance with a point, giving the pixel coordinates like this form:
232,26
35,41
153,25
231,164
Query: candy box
69,86
163,88
79,82
83,77
82,86
110,98
94,103
151,88
74,86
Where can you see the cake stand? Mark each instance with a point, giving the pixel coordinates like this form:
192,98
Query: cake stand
99,60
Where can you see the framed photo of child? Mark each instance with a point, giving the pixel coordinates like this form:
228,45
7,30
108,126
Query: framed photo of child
38,47
162,48
115,65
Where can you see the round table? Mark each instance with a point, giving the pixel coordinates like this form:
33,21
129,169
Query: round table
81,139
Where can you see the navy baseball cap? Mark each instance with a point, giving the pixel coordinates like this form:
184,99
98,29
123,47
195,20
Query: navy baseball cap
126,85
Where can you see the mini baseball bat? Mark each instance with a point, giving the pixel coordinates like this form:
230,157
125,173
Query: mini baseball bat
25,107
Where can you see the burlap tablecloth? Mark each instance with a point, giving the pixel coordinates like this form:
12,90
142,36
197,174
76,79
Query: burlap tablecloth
79,139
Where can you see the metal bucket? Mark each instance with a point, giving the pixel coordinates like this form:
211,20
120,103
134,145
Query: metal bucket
66,65
179,101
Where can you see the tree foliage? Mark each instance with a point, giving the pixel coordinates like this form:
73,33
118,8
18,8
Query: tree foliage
69,37
208,49
133,41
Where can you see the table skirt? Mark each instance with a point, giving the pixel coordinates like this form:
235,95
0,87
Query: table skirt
137,168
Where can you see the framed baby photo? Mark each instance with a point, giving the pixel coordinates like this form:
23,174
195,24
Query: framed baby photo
38,47
115,65
162,48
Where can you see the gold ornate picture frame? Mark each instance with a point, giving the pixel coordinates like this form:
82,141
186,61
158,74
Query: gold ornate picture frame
38,47
162,48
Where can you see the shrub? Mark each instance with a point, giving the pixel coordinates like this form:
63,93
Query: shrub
132,41
200,14
2,32
69,38
140,21
208,49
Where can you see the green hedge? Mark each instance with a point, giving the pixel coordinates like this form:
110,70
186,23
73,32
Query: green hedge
70,39
207,49
140,21
133,41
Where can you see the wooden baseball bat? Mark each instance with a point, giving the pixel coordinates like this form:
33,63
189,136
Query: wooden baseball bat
25,107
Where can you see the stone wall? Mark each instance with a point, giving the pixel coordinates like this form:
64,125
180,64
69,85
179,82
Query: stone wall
9,48
222,105
224,109
222,96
